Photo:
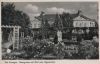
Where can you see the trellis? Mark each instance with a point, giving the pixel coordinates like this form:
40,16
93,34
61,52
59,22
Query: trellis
15,39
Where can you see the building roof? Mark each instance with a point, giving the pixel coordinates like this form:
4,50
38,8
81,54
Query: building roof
77,16
83,18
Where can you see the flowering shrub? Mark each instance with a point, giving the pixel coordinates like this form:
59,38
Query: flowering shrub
41,49
88,50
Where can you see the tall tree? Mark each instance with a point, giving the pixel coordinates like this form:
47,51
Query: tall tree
11,16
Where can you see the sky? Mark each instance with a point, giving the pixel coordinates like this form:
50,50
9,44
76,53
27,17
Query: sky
89,9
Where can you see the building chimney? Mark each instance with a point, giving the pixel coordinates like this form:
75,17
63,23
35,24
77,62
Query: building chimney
79,12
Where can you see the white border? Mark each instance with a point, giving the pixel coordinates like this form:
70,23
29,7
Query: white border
65,61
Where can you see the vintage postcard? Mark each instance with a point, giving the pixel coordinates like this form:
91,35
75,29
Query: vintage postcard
49,32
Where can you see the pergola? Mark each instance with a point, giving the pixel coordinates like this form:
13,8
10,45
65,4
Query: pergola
15,38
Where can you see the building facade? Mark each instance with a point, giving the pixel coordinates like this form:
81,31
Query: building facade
82,22
35,23
73,26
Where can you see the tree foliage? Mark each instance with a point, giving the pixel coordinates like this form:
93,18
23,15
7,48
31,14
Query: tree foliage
11,16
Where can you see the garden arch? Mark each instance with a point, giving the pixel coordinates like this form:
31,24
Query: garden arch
15,37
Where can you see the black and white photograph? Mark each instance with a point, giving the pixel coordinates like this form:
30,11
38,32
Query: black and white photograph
50,30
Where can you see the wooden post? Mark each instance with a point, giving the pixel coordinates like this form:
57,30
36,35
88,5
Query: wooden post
13,37
21,40
16,38
1,36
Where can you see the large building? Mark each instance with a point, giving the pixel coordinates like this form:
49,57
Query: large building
81,21
71,25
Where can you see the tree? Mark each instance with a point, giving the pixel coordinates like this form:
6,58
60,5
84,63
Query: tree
11,16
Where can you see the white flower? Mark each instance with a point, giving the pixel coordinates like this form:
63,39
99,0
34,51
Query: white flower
8,51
